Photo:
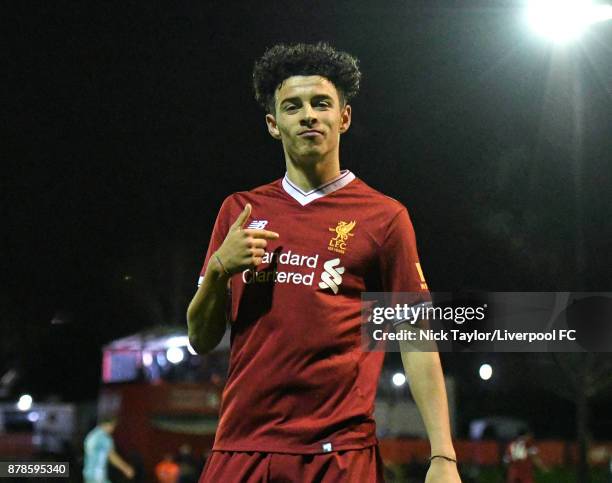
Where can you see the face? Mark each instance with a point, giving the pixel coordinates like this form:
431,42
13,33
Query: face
309,117
110,426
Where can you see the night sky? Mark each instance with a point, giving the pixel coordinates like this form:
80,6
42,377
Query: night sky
125,126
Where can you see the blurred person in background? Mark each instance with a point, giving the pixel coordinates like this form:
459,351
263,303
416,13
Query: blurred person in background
521,457
167,470
99,450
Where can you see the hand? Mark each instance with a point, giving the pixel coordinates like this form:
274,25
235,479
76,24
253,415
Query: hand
243,248
129,473
442,471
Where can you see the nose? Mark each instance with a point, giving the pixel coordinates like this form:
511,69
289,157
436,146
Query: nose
309,115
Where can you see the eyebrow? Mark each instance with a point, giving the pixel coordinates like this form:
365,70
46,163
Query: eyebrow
299,99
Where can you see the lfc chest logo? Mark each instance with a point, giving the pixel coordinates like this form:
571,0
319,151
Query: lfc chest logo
343,230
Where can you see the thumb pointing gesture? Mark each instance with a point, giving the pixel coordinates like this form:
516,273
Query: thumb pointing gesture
243,249
242,217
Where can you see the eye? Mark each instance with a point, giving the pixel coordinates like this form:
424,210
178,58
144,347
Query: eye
290,107
324,104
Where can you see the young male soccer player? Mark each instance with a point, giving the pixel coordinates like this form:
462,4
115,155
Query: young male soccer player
297,253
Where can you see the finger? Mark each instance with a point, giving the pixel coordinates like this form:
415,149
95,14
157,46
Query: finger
265,234
257,252
242,217
258,243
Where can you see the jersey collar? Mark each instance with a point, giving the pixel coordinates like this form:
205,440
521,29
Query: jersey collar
303,197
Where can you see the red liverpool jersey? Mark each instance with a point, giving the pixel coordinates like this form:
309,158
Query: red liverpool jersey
298,380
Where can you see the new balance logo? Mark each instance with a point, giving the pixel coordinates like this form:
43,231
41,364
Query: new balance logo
332,276
258,224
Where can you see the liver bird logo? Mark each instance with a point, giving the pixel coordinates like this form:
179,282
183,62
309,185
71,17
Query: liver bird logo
343,230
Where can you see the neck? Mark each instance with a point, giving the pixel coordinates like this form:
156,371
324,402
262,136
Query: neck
310,174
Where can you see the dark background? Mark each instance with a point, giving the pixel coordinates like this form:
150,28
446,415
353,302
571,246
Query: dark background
125,125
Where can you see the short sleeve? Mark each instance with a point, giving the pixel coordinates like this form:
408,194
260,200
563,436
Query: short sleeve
401,270
220,230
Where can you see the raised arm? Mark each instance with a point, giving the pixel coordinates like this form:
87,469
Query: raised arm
206,314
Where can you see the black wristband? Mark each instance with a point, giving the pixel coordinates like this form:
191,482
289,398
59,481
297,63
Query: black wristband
220,263
447,458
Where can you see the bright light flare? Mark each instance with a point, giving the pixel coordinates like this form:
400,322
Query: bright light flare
175,355
191,350
485,372
181,341
24,403
177,341
565,20
33,416
147,358
398,379
161,359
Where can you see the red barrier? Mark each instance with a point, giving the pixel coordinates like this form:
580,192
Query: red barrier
553,453
489,453
401,451
17,445
481,453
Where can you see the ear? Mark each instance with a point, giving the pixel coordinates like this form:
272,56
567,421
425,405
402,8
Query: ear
272,127
345,119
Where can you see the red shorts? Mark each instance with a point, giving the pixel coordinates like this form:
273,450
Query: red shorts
360,465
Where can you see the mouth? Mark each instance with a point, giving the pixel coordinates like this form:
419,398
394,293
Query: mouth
310,133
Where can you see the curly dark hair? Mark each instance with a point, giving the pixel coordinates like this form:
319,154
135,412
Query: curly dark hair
283,61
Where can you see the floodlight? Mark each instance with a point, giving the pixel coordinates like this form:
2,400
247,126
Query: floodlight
175,355
485,372
398,379
24,403
565,20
